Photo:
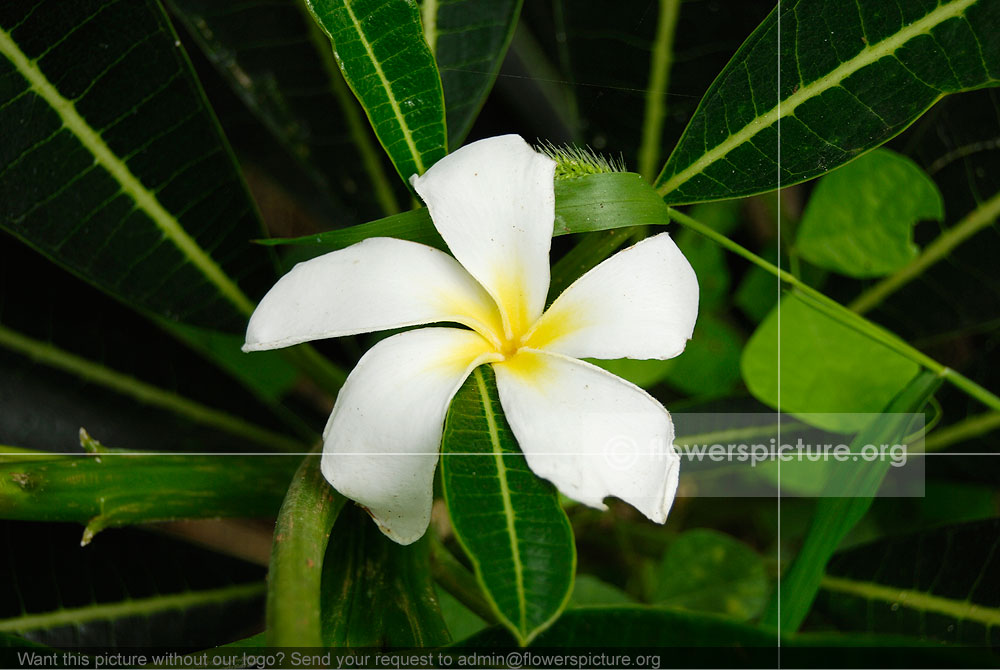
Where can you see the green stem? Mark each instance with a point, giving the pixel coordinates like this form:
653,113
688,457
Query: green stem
656,91
95,373
843,315
968,428
459,582
976,220
301,533
358,128
428,15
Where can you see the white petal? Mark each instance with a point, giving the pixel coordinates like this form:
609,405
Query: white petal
382,440
640,303
590,433
377,284
493,202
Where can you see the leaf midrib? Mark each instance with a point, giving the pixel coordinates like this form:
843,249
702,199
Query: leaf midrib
144,199
498,452
865,57
403,126
130,608
963,610
95,373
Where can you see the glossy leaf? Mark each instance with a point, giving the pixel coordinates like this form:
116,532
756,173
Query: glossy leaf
72,357
115,169
827,371
860,218
844,502
307,515
585,204
940,584
588,590
375,592
113,487
508,521
121,589
380,47
707,571
469,39
851,77
280,66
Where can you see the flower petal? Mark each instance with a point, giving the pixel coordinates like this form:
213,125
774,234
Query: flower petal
493,201
382,440
640,303
590,433
377,284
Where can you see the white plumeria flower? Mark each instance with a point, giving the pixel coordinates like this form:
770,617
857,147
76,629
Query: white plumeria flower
589,432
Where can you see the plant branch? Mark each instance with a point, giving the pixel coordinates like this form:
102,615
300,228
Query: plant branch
656,91
459,582
842,314
974,221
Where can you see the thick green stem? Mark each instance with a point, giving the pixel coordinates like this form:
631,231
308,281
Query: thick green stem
976,220
656,91
459,582
842,314
300,536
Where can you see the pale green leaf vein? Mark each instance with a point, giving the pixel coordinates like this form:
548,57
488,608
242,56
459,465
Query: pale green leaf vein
144,199
787,107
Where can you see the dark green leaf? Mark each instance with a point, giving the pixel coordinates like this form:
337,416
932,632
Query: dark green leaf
610,627
585,204
469,39
860,218
307,515
845,501
508,520
940,584
827,372
117,488
280,66
377,593
122,589
589,590
72,357
708,571
851,77
380,47
114,168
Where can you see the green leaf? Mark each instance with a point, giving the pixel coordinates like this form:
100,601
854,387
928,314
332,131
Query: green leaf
939,584
709,364
113,592
469,39
585,204
860,218
115,168
281,67
851,77
827,372
635,626
589,590
707,571
71,356
375,592
380,47
507,520
114,487
307,515
845,501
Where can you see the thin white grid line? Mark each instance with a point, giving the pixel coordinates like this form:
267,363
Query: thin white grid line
778,215
694,455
